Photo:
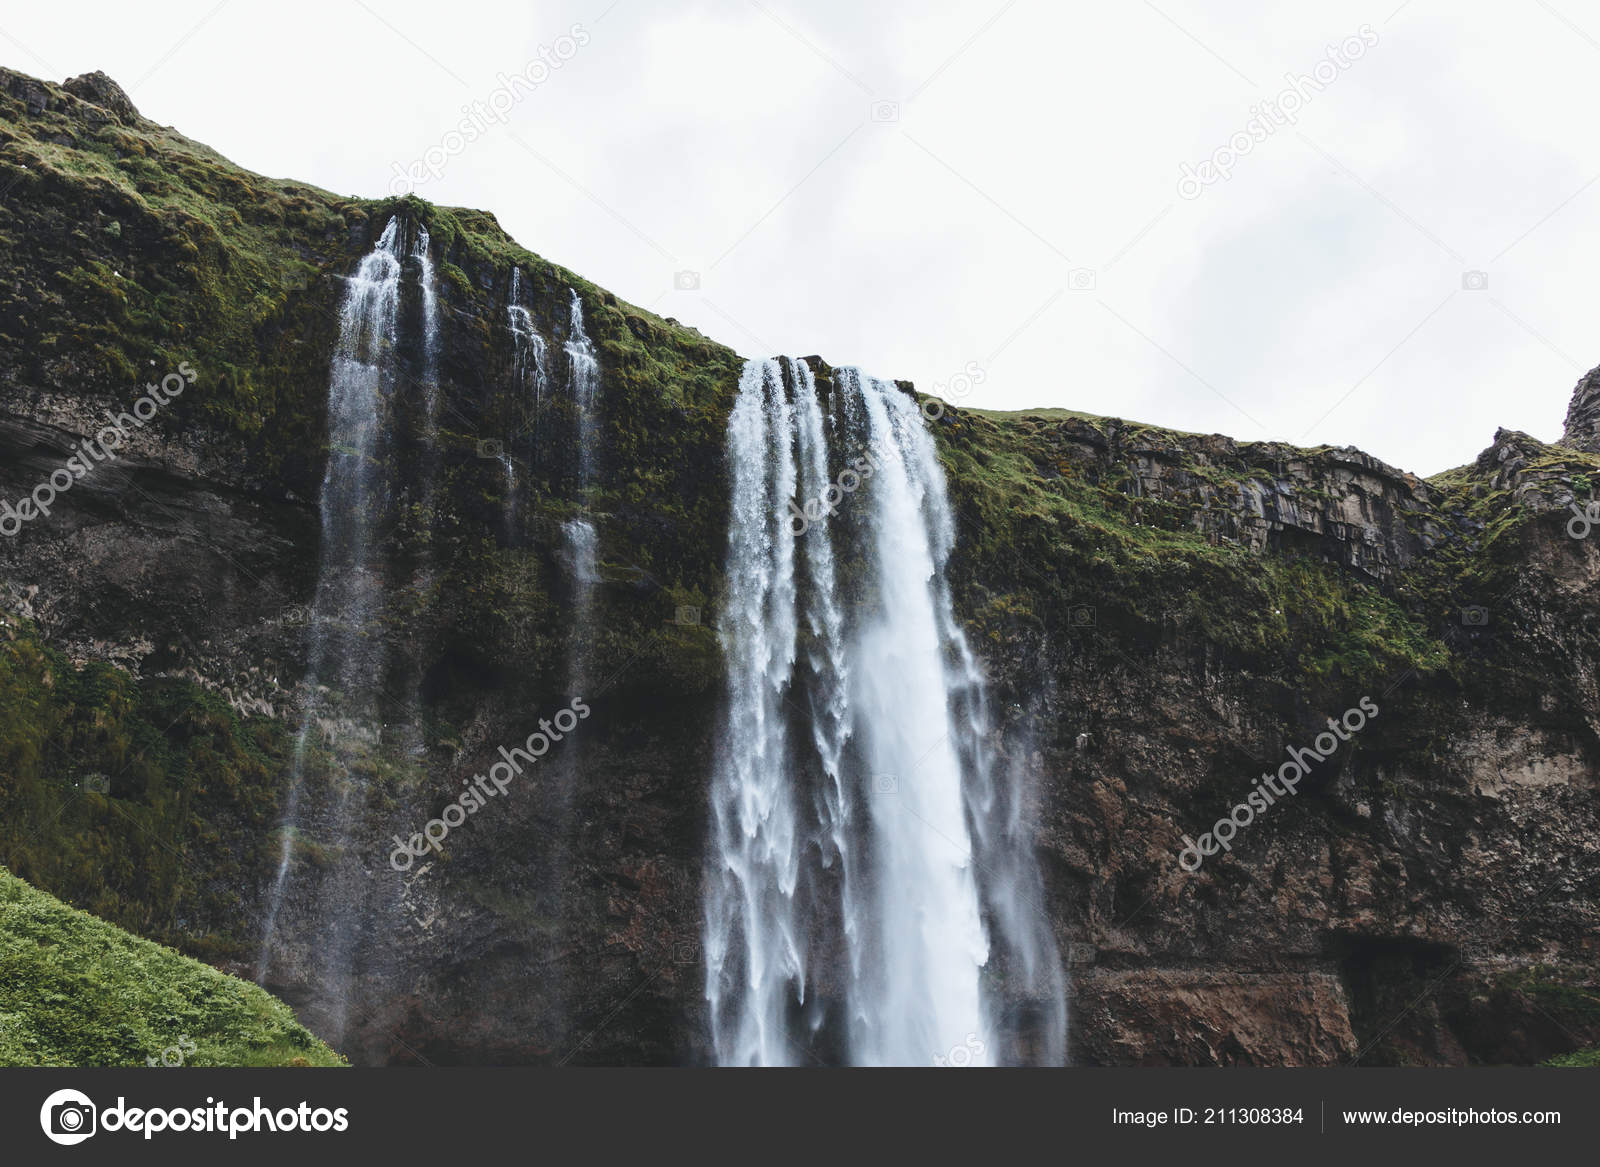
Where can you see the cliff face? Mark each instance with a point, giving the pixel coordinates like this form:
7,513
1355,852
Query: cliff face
1163,616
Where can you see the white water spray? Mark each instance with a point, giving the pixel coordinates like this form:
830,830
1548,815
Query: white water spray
753,942
861,853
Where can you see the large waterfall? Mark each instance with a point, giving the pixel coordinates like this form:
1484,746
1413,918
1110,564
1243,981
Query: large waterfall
872,897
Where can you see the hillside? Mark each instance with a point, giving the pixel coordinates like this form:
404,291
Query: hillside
75,991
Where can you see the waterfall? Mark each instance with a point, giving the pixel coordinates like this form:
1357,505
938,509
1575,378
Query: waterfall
528,345
344,654
423,254
425,576
583,365
922,997
870,875
529,373
583,383
582,551
752,940
346,596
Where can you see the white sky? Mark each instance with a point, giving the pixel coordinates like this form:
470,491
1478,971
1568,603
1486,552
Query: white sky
1315,296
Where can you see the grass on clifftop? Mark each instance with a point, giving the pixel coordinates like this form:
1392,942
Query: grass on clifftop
76,991
1056,536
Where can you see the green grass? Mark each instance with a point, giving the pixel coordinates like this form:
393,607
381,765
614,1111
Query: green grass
76,991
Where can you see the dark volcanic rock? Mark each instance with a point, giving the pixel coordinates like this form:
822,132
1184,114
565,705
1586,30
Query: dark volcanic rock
1582,430
98,89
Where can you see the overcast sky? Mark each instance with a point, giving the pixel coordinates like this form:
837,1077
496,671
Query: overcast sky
914,187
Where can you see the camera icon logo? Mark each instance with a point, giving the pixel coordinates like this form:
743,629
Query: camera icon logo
1475,616
686,616
1082,616
492,448
886,111
68,1117
686,281
1082,279
686,952
95,784
1474,281
884,784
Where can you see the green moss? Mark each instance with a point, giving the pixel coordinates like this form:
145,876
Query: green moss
112,789
1572,1004
76,991
1045,536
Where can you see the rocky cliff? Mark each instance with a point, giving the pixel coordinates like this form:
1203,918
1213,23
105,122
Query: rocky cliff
1163,617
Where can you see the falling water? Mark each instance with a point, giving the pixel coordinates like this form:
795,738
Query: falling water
422,252
922,997
853,911
528,351
425,576
529,372
583,365
347,595
582,550
583,380
345,656
752,935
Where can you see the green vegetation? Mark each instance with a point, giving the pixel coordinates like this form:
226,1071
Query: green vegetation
75,991
1572,1004
1060,534
112,789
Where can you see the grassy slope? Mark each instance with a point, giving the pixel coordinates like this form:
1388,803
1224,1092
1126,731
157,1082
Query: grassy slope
76,991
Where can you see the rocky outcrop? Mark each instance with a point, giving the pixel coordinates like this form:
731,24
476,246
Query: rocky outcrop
100,90
1163,616
1582,431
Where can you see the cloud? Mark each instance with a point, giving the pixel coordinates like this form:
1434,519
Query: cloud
1300,299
